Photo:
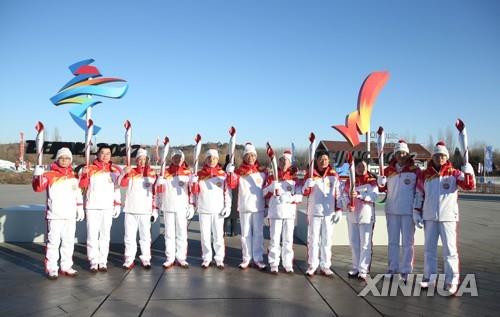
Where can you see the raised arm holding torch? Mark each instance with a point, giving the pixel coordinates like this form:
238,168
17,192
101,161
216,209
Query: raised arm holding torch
380,150
197,151
464,149
166,148
128,140
232,144
462,139
312,149
39,127
88,140
274,163
352,180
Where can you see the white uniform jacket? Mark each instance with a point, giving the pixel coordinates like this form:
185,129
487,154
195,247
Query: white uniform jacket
325,196
63,194
437,192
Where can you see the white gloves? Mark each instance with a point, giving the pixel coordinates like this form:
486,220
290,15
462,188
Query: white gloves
467,169
381,181
336,216
309,183
161,180
418,220
190,212
285,198
80,214
230,168
39,170
116,211
226,211
193,179
154,216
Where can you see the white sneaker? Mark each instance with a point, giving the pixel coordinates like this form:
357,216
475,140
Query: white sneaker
205,264
427,284
274,269
244,265
451,289
326,272
183,263
260,265
289,269
310,271
362,276
52,275
352,273
167,264
94,268
146,264
128,265
69,272
220,265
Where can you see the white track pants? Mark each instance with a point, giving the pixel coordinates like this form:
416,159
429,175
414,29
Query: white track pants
400,228
447,230
132,223
360,238
252,235
212,225
60,233
281,229
319,241
175,236
98,235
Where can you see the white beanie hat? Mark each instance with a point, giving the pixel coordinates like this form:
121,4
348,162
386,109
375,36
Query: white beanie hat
177,152
401,146
64,151
212,152
141,152
288,155
249,148
440,148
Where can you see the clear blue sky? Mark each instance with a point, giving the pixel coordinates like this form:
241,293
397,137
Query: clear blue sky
274,69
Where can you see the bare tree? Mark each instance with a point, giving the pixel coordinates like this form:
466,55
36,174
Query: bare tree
430,142
57,135
449,139
440,135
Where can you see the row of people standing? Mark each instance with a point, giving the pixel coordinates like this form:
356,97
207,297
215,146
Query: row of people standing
178,193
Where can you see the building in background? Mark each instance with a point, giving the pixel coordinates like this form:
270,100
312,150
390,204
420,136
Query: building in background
339,149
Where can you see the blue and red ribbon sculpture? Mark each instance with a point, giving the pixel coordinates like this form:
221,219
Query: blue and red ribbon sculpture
79,91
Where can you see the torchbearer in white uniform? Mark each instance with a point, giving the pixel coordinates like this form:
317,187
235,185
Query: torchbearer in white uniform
284,194
436,209
102,204
174,197
64,208
140,209
250,178
323,210
213,204
399,182
361,220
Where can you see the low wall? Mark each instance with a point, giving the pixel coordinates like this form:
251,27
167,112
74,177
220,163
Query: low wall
26,223
340,234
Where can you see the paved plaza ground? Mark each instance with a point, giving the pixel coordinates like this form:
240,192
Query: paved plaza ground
233,292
